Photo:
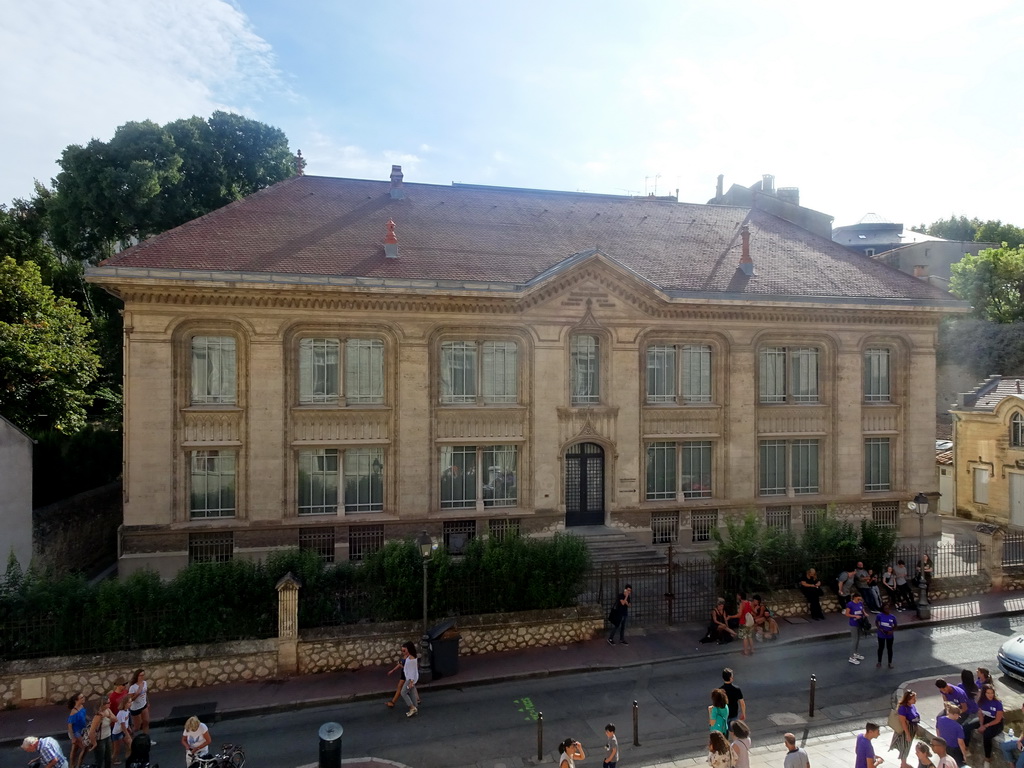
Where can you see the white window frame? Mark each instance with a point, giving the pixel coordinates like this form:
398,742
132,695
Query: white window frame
486,476
585,369
322,361
877,473
479,372
789,374
213,467
679,373
877,375
213,364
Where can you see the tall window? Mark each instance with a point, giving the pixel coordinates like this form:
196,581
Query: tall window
788,374
320,365
212,484
788,466
674,468
468,473
213,370
982,475
479,372
680,373
1017,431
319,480
585,369
876,464
877,385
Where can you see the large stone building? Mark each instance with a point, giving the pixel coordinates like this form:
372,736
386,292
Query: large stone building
333,362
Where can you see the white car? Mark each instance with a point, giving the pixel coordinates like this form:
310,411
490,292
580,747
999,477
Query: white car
1011,657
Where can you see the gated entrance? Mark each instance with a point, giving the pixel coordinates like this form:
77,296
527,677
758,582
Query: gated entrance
584,484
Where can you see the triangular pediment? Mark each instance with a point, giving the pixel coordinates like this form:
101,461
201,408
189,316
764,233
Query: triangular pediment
596,284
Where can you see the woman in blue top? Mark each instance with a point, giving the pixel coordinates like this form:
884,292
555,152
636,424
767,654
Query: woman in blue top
886,624
990,720
909,718
78,724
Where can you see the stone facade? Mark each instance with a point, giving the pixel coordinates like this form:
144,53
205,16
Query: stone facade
54,680
15,494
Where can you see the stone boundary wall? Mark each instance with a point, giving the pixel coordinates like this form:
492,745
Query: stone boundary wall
37,682
377,645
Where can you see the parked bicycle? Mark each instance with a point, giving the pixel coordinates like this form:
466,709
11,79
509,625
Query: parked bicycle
230,756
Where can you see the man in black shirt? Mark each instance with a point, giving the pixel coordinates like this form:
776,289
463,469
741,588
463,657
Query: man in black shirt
737,706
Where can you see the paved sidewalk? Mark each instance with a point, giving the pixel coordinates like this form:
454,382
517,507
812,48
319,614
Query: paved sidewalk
647,646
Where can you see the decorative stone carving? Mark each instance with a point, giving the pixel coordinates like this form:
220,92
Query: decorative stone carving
341,425
483,424
213,426
679,422
881,418
798,419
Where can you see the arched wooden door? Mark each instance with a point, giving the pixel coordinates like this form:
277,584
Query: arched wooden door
584,484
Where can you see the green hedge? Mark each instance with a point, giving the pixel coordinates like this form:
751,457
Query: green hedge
43,614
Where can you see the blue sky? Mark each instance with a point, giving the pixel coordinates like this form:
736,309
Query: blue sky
908,109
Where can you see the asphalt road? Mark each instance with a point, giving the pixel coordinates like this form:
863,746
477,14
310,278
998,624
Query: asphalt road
494,725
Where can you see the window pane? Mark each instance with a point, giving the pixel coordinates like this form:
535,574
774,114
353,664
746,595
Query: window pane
364,480
772,375
696,479
805,374
661,471
661,374
876,464
458,477
981,478
213,369
501,384
696,373
458,372
1017,430
805,466
318,482
585,372
318,370
876,376
773,468
364,371
212,486
501,476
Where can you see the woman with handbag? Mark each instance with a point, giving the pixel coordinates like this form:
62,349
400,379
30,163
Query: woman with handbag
78,730
909,718
100,731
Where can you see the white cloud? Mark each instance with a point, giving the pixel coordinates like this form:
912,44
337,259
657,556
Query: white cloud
106,62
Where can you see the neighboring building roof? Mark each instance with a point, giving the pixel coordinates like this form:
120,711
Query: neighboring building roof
15,428
325,227
991,392
945,458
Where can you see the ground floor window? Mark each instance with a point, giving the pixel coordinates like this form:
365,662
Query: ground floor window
664,527
472,472
456,534
364,540
703,524
318,540
212,483
211,547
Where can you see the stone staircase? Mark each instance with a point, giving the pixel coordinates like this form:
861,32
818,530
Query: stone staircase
609,545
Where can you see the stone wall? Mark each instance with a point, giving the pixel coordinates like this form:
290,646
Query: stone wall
37,682
377,644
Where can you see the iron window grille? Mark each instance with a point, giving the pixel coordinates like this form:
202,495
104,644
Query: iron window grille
211,547
456,534
318,540
664,527
703,523
364,540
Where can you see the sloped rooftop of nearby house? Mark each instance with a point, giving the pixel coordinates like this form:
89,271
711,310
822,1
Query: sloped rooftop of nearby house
317,227
987,395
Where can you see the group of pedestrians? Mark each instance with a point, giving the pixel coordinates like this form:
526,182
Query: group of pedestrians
892,587
751,621
729,735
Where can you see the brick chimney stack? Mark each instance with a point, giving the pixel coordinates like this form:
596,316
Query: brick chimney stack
397,191
391,241
746,263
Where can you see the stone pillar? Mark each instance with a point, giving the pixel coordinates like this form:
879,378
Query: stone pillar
288,624
990,561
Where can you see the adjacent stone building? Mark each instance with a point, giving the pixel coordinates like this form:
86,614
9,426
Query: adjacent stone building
15,494
330,363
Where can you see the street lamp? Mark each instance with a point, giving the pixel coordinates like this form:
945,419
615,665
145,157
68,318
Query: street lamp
920,506
426,551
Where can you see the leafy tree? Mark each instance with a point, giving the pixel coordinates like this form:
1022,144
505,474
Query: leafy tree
993,282
47,358
953,228
150,178
997,232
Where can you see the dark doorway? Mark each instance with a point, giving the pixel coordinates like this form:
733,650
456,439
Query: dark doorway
584,485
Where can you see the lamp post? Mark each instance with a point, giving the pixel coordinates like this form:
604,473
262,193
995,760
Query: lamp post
920,506
426,551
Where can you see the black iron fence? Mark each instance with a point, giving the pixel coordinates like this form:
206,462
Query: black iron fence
1013,549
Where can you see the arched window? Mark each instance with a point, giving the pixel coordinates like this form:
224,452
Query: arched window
1017,430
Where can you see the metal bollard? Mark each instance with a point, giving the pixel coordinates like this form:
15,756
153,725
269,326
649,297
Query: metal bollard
810,705
330,745
636,724
540,736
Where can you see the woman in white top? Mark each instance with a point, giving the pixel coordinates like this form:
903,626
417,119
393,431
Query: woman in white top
138,692
719,753
570,751
196,740
412,676
739,734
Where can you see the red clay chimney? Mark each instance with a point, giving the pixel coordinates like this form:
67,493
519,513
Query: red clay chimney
391,241
746,263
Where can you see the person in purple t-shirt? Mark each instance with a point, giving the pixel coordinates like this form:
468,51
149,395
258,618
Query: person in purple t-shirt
865,752
991,720
886,624
854,612
957,695
948,727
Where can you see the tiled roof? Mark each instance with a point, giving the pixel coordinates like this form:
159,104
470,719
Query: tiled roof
1006,388
944,458
320,226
